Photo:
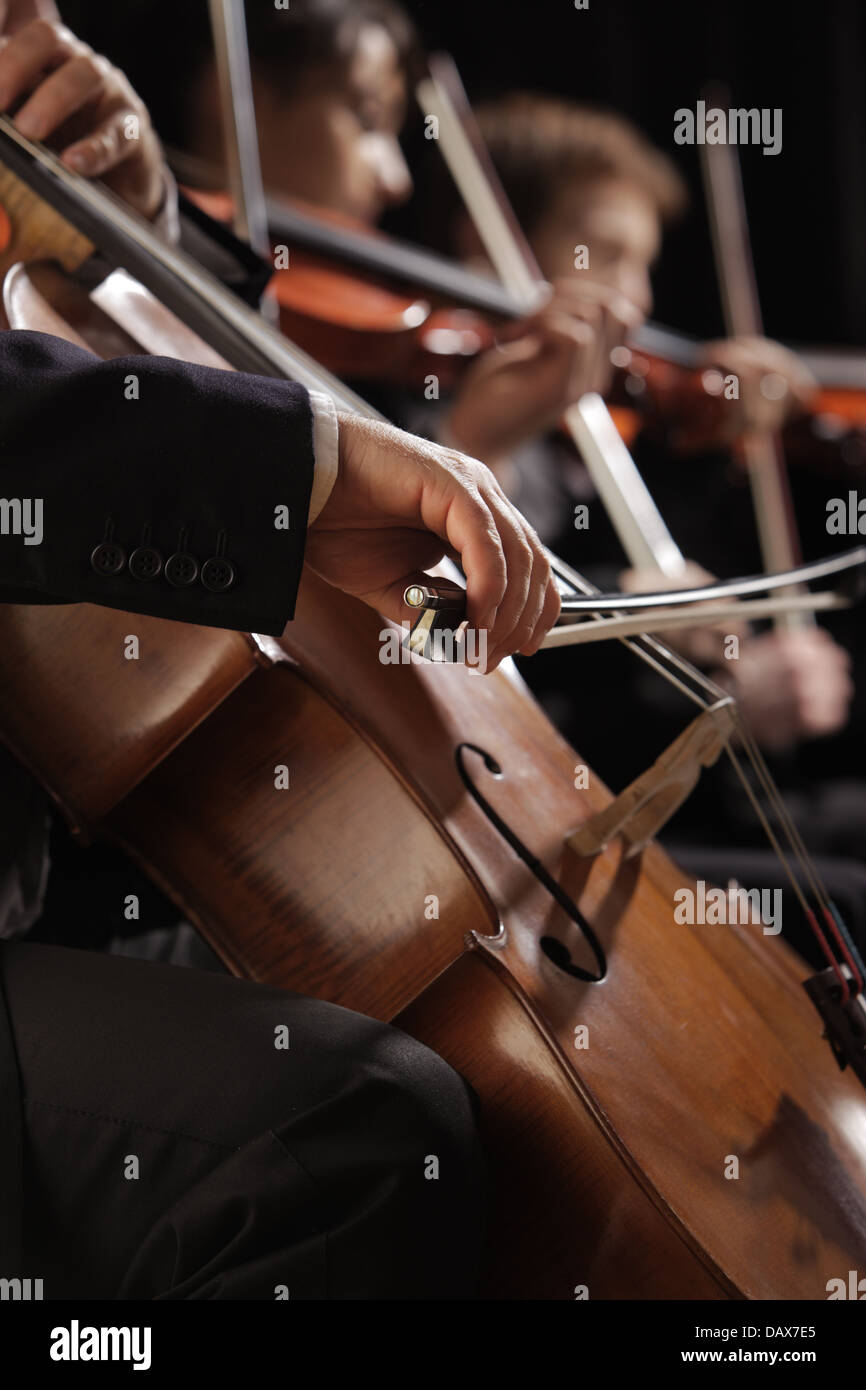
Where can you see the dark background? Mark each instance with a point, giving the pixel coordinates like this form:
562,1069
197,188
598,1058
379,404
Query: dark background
807,205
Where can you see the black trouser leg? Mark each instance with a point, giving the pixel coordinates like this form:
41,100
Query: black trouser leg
173,1149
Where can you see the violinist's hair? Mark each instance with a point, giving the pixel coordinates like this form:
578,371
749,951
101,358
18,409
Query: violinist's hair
289,44
162,45
539,143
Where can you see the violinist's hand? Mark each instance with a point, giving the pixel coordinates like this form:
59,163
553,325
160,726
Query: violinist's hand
400,504
83,107
704,646
540,366
792,685
772,382
16,13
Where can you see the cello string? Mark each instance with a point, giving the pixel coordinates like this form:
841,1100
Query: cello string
807,911
847,947
655,653
663,659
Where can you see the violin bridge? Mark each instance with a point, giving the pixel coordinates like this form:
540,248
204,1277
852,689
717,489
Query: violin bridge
647,804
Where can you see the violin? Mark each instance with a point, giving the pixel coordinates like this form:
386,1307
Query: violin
620,1059
660,384
373,308
366,306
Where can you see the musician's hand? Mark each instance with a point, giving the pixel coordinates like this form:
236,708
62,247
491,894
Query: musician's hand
772,384
704,646
400,504
792,685
14,14
66,95
540,366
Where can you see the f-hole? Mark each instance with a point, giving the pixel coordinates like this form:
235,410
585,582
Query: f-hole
556,951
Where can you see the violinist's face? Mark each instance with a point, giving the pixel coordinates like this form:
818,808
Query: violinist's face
334,140
619,225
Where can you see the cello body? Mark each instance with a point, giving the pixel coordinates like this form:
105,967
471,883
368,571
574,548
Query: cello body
612,1111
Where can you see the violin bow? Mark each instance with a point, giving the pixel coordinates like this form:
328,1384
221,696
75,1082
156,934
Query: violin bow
735,269
640,526
232,55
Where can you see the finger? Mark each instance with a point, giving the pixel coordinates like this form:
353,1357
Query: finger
611,316
550,612
775,357
527,327
576,290
610,334
569,350
543,321
518,562
528,580
472,531
14,14
104,148
524,629
617,322
773,377
74,85
37,48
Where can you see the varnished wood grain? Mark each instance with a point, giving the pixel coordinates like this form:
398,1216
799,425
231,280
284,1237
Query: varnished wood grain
323,887
90,723
702,1047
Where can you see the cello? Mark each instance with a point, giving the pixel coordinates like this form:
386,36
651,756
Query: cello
621,1059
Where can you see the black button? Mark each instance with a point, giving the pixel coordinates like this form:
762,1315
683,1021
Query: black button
217,574
145,563
181,569
108,558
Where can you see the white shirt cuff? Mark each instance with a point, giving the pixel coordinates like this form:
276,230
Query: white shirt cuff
325,451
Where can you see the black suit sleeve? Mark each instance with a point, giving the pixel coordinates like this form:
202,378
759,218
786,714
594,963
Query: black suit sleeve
151,459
